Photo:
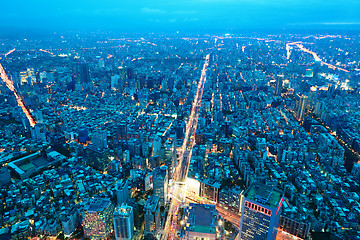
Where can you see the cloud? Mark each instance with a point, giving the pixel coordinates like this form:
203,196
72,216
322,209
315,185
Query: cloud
152,10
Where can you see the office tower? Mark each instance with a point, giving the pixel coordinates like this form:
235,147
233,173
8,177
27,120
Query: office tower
126,78
279,83
152,216
170,155
202,221
81,75
123,73
98,218
312,100
122,191
300,106
132,202
260,212
156,144
124,222
99,139
160,184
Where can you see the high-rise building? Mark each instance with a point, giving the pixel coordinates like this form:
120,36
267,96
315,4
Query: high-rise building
279,83
202,221
152,216
98,218
99,139
260,211
81,75
135,206
170,155
300,106
160,184
122,191
124,222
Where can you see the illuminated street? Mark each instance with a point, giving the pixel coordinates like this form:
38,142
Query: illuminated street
316,57
170,226
20,102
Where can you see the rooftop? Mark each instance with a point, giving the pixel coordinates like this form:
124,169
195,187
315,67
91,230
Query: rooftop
201,218
98,205
264,194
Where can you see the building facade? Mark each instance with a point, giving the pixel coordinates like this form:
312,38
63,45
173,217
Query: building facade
160,184
152,216
98,218
124,222
260,212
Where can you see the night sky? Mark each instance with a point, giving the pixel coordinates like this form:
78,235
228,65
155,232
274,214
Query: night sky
182,15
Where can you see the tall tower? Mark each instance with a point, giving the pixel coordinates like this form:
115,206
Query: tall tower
124,222
99,139
81,75
260,212
122,191
279,83
300,106
152,216
160,182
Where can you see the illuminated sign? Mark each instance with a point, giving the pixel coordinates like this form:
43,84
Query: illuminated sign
258,208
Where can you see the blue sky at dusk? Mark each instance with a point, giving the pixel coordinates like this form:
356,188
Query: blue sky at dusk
172,15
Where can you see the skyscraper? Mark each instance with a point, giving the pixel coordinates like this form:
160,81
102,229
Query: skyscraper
81,75
170,155
279,83
260,212
160,183
122,191
300,106
98,218
99,139
124,222
152,216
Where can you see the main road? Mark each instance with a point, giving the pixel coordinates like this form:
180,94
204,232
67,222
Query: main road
182,167
19,100
316,57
